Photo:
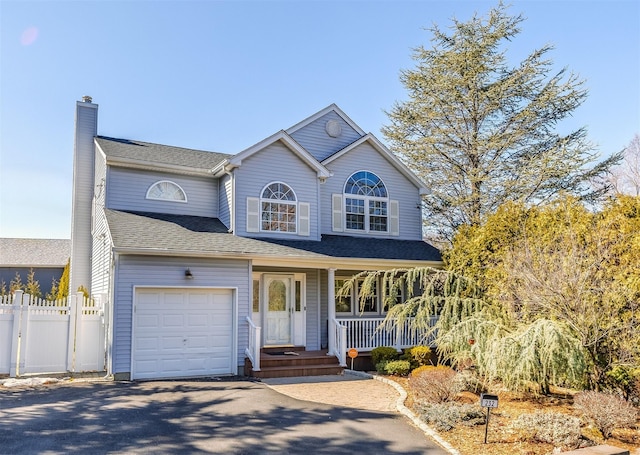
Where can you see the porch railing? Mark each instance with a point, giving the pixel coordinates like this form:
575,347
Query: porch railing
253,350
365,334
339,333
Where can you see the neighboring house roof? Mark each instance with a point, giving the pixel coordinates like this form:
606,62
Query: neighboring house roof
146,155
34,252
153,233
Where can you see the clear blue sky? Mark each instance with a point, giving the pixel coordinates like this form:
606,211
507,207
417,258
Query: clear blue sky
222,75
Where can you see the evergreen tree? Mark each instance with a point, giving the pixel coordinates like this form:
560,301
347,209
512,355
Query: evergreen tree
63,284
481,132
33,286
16,284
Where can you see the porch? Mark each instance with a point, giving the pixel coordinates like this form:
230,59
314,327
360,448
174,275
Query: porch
359,333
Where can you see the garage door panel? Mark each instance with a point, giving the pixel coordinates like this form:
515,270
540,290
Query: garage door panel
182,332
173,320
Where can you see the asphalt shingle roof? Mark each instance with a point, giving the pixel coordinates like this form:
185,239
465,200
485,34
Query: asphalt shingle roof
157,153
180,233
34,252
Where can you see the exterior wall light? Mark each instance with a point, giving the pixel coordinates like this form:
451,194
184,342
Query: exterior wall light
187,274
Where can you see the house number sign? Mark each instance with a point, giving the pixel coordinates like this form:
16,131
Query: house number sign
488,401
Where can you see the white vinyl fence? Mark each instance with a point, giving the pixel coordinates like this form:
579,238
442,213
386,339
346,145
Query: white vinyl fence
41,336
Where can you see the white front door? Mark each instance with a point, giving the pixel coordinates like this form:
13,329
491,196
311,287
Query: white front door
277,298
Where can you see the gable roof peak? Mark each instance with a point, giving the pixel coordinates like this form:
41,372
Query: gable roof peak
332,107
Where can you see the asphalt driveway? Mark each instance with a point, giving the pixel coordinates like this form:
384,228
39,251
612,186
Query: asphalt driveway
240,417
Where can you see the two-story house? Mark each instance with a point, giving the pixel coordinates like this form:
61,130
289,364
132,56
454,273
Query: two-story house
204,258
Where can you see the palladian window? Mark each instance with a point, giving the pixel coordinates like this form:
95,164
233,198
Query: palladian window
366,203
278,208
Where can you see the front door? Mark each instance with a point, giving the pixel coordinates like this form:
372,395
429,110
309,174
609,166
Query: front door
277,298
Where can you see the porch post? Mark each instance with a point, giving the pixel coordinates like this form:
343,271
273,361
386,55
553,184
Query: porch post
331,297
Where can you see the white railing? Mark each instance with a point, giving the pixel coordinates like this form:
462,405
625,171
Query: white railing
253,350
365,334
339,333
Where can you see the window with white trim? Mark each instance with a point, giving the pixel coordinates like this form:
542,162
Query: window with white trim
349,304
278,207
166,190
366,203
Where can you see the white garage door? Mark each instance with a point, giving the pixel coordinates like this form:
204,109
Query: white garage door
182,333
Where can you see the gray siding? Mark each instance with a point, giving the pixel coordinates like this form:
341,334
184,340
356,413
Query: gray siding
315,140
86,127
128,190
225,200
101,247
275,163
169,272
365,157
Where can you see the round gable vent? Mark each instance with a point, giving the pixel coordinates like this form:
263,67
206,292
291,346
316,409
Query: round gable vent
333,128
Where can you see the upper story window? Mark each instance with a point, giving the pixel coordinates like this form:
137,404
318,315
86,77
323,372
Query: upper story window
366,203
165,190
278,208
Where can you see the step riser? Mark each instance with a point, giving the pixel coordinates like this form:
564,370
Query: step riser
327,360
307,363
277,373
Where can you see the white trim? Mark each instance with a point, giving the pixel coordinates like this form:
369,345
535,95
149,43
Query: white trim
279,201
155,184
367,199
234,314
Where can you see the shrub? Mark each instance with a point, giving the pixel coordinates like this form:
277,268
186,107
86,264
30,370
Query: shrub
397,367
469,381
434,384
627,381
606,411
445,416
381,367
418,356
550,427
383,353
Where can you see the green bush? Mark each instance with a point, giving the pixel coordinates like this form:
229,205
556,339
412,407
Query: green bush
606,411
549,427
384,353
381,367
627,381
445,416
397,367
418,356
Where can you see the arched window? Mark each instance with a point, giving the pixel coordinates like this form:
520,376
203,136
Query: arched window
278,208
165,190
366,203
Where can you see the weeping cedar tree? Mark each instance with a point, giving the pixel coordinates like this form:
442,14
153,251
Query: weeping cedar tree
482,133
542,353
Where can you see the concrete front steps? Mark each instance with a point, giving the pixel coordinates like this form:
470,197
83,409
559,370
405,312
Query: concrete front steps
288,362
